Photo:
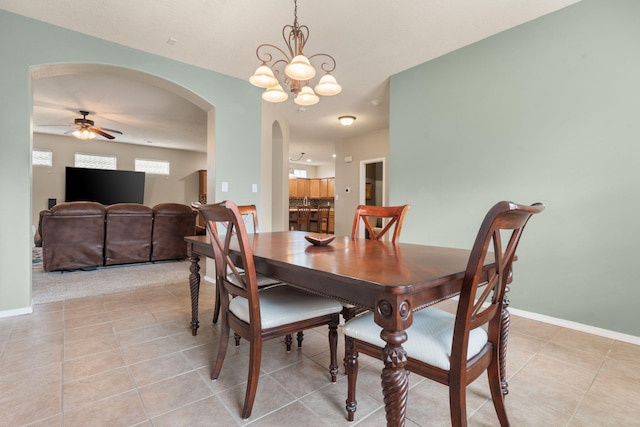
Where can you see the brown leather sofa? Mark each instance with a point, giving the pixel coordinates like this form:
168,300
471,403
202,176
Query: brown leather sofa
128,234
72,236
86,235
171,222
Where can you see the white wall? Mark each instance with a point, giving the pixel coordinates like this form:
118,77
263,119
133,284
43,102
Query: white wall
180,186
373,145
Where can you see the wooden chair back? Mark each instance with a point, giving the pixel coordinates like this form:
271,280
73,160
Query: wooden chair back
365,214
245,282
481,298
323,218
303,219
250,212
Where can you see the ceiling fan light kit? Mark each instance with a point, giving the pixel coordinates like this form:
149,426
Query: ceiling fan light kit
83,134
86,129
295,67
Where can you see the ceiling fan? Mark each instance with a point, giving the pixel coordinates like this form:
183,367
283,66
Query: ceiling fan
86,129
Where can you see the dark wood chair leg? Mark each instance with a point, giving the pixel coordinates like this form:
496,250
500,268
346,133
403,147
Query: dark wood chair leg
458,404
497,394
351,365
333,347
287,341
222,349
300,337
347,313
237,338
254,374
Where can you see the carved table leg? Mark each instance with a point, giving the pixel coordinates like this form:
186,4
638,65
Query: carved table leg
395,384
504,337
194,284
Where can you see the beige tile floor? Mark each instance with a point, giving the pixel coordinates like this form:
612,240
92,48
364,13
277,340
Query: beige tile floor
129,359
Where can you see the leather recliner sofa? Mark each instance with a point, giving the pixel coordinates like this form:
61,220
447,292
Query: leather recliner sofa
127,233
171,222
73,236
86,235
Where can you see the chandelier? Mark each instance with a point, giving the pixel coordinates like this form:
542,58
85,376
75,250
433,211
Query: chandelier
297,68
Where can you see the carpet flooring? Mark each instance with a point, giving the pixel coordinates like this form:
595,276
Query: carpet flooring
60,286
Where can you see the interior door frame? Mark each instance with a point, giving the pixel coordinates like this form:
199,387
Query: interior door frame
363,182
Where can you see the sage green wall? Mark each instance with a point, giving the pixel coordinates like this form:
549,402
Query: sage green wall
546,112
27,43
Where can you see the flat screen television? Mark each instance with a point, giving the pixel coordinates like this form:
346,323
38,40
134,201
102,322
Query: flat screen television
103,186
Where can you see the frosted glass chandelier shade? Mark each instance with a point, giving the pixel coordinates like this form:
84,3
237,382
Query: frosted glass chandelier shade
328,86
306,97
263,77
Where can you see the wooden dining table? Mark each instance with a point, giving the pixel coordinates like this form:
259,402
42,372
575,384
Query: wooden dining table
393,281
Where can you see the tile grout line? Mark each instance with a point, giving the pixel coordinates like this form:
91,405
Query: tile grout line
584,395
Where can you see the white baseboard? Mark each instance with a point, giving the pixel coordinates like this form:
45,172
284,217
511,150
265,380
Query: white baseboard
631,339
17,311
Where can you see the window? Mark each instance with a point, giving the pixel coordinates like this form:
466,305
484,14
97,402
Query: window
300,173
157,167
93,161
41,157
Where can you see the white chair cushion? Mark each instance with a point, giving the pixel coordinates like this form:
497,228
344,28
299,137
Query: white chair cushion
429,338
262,280
284,304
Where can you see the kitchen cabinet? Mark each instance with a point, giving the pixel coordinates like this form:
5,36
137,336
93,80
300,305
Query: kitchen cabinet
324,187
314,188
302,187
293,187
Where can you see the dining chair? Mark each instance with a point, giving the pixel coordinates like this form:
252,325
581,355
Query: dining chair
368,215
303,220
249,215
455,349
323,218
258,316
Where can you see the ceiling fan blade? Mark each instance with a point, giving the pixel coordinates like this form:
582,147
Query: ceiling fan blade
110,130
99,132
54,125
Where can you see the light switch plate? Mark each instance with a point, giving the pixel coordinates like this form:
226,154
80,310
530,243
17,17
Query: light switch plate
254,188
225,187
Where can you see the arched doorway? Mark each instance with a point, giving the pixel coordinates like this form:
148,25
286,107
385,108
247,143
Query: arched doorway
156,113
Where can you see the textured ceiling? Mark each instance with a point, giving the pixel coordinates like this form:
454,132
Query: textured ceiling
370,40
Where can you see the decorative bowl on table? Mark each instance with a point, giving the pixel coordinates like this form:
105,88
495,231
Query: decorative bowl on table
319,239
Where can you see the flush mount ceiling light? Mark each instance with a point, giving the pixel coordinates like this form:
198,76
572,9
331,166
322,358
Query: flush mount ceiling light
346,120
295,68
